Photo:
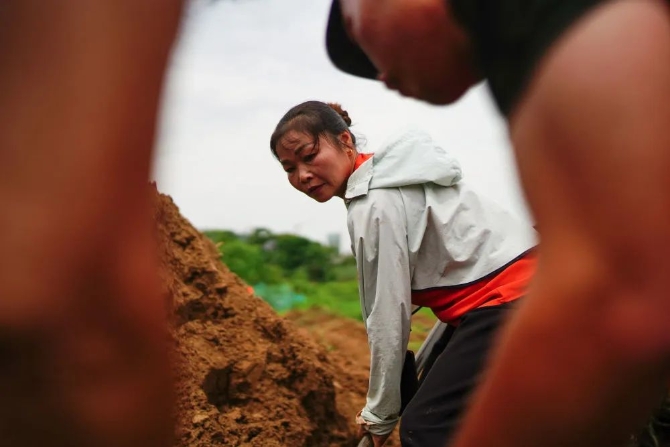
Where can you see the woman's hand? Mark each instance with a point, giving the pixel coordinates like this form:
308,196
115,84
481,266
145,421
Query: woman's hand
377,440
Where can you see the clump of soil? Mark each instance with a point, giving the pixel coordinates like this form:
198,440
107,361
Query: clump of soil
246,376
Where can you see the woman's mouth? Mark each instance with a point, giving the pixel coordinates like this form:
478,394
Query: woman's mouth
312,189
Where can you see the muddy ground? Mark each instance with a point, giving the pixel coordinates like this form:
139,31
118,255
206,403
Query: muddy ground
248,377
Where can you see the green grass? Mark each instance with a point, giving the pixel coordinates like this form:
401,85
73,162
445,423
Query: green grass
422,323
341,298
337,297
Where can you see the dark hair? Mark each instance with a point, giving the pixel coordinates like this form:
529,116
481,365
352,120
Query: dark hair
314,118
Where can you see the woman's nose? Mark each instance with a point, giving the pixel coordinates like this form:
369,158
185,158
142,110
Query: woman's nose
305,175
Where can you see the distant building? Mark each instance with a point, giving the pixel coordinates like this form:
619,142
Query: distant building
270,245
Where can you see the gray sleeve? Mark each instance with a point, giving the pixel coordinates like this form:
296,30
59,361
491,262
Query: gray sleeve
377,224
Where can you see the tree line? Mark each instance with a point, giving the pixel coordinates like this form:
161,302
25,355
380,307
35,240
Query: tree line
265,257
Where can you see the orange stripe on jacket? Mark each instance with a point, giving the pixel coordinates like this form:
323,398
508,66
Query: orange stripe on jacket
450,303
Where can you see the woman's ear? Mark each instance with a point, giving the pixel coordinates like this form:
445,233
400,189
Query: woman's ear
345,139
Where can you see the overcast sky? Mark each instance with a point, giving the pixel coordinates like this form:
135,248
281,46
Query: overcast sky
238,67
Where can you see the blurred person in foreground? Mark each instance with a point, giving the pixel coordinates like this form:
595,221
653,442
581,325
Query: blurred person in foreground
83,342
584,86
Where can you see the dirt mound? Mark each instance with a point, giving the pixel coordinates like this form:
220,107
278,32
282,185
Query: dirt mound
246,376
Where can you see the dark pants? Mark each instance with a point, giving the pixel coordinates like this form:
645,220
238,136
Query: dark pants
435,411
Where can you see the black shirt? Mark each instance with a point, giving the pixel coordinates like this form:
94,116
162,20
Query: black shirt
511,36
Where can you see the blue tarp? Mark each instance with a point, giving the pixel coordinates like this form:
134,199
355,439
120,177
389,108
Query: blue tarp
281,297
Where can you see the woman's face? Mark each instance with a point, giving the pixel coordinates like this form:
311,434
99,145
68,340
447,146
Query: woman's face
318,168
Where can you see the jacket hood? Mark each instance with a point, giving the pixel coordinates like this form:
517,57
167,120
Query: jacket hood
411,158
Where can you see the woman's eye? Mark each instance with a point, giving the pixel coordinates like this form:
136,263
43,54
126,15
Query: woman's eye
309,157
289,170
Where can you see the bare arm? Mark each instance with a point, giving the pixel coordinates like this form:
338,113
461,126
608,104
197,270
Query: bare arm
82,333
588,355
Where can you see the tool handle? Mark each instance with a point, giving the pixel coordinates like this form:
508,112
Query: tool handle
366,441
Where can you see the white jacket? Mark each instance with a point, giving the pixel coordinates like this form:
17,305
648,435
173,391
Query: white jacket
415,225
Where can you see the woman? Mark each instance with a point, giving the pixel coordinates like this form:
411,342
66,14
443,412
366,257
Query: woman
420,236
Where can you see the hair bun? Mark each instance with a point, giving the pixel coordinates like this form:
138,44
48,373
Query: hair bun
340,111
